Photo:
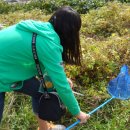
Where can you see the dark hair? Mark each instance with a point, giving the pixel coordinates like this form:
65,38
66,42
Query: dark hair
67,23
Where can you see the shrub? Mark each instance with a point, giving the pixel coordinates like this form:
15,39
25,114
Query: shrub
109,19
102,59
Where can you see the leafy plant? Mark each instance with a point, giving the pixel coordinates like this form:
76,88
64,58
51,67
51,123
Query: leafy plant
112,18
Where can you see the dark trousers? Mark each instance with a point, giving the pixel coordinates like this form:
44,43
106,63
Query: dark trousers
30,87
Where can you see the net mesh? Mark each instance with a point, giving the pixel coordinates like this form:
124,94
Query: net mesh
120,86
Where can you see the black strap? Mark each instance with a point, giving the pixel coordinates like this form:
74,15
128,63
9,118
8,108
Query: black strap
35,56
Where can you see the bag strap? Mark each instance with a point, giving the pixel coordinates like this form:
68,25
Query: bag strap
35,56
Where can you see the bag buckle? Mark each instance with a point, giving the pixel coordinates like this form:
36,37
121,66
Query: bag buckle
46,95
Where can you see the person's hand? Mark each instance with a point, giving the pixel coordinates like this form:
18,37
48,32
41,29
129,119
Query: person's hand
83,117
70,82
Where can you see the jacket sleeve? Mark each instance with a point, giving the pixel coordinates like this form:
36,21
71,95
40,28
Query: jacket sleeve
51,60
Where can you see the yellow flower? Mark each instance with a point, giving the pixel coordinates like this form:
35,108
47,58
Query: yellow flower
49,84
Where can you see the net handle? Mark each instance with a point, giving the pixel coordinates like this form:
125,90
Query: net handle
90,113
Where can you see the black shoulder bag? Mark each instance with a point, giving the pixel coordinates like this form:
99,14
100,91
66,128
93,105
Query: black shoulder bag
51,107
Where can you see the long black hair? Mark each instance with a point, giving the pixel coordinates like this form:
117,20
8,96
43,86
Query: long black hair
67,24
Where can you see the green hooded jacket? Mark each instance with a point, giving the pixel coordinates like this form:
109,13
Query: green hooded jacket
17,63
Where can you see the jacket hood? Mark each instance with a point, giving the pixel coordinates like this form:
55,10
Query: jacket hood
44,29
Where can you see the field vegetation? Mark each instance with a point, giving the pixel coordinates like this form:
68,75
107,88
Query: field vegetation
105,41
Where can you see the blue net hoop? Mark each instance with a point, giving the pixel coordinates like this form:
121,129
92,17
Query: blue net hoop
119,87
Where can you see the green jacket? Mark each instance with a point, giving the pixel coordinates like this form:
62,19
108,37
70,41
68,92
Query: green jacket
17,63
